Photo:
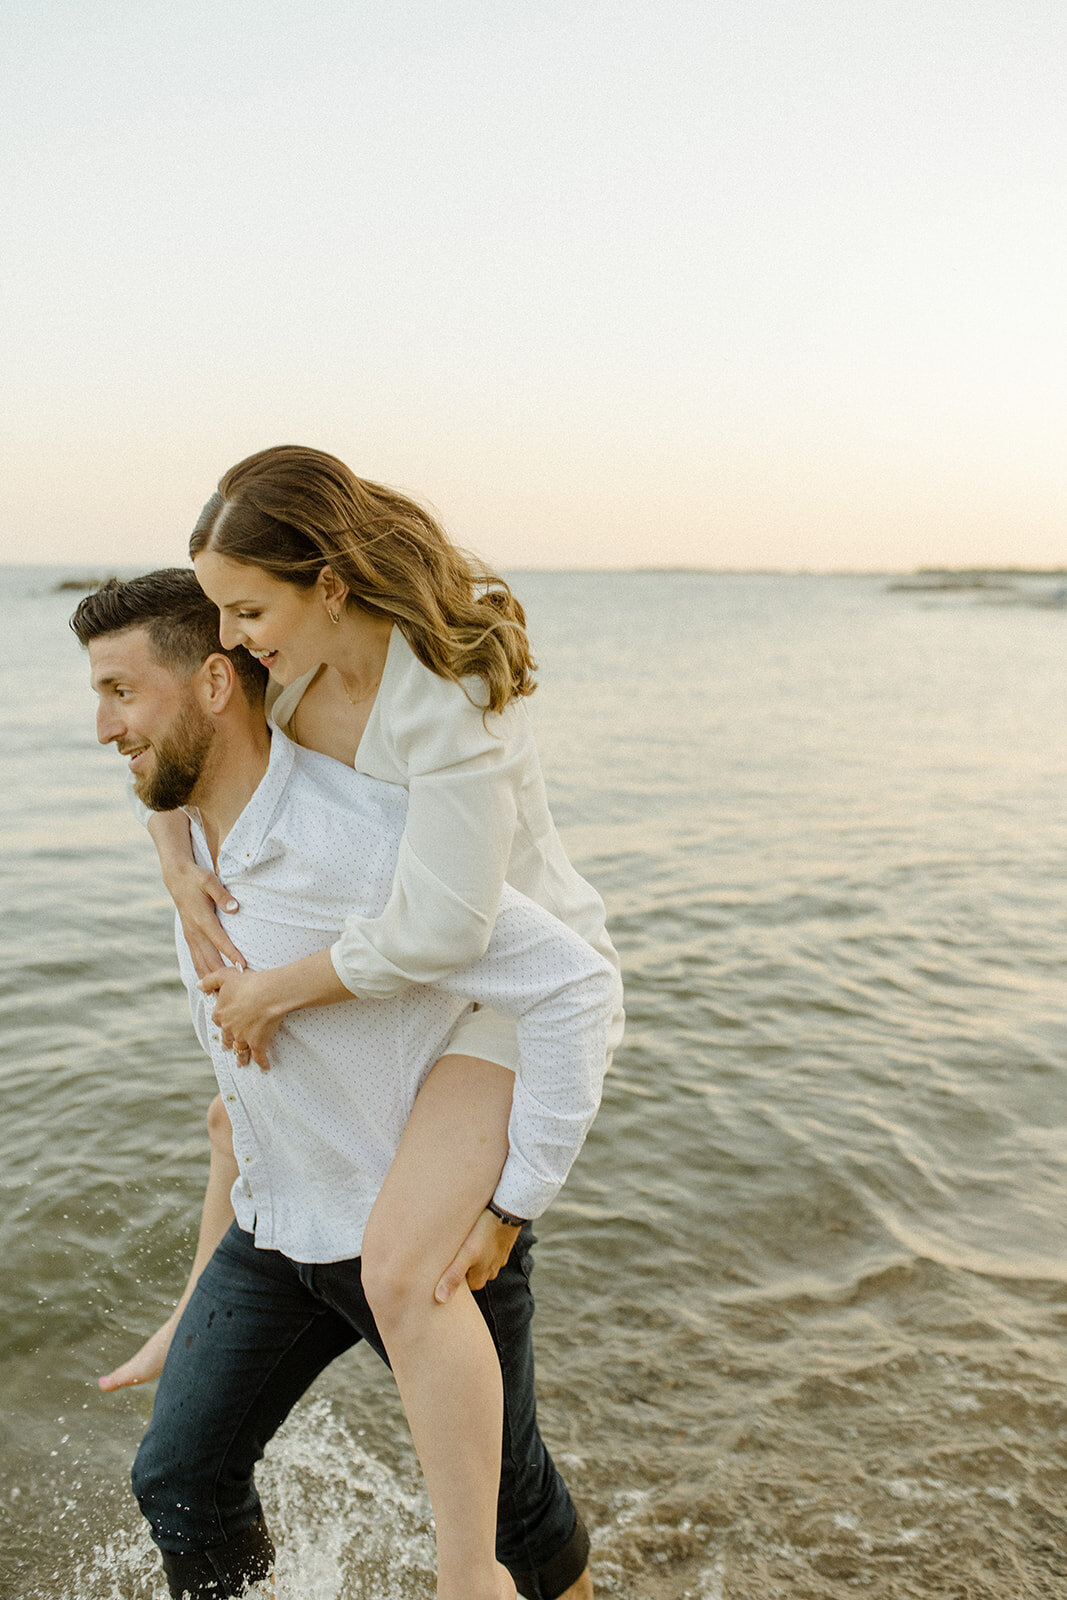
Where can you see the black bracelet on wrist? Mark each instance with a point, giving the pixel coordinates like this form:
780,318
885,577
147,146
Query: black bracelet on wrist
505,1216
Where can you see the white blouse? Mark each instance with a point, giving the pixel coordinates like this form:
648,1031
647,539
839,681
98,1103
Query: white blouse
315,1136
478,818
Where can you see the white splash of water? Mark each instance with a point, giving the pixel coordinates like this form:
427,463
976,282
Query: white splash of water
712,1580
344,1525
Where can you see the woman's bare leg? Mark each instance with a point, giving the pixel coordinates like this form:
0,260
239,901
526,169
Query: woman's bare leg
215,1219
446,1366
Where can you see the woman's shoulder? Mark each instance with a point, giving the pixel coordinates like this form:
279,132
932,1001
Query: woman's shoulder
406,674
425,712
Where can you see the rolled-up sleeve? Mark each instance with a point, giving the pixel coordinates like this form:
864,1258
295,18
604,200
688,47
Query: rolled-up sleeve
463,773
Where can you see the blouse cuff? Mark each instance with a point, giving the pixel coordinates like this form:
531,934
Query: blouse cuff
337,957
522,1191
383,984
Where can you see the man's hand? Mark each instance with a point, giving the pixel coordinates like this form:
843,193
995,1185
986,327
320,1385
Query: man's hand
147,1363
246,1013
480,1257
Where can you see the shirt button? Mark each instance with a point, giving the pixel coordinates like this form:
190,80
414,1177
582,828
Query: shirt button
230,1099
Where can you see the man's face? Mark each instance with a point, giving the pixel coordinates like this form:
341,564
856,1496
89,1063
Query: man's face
151,713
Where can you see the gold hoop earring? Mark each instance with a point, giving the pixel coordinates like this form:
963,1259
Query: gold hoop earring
333,616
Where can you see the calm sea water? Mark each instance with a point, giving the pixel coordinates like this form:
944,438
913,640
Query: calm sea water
802,1306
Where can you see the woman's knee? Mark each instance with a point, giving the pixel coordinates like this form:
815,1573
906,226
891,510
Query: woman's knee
393,1275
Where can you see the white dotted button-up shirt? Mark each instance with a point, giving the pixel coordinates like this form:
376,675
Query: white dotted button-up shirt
314,1137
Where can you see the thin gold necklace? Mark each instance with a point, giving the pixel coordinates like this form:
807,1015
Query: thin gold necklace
356,703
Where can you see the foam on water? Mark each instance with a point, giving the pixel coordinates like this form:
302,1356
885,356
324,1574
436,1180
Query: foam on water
344,1524
342,1518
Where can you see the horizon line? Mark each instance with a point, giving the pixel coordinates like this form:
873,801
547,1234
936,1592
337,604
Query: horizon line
978,570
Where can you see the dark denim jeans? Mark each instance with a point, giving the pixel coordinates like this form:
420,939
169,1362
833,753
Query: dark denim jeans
258,1329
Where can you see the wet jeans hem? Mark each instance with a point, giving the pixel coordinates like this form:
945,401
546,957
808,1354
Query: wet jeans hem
222,1570
557,1574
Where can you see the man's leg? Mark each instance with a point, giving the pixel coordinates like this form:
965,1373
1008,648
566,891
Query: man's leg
541,1539
250,1342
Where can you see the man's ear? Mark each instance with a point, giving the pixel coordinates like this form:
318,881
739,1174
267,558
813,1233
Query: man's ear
217,679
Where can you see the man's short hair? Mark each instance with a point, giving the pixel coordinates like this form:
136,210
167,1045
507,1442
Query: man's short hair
181,622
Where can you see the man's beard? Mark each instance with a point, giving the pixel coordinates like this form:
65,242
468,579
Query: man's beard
179,761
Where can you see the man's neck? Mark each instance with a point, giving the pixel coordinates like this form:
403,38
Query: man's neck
232,773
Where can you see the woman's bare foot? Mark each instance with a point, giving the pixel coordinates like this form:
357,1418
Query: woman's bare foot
146,1364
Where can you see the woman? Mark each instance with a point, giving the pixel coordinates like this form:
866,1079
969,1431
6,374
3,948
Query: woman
391,651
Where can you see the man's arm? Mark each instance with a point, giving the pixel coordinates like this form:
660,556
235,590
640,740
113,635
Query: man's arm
215,1219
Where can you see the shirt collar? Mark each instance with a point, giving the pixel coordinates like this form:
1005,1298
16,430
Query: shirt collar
245,838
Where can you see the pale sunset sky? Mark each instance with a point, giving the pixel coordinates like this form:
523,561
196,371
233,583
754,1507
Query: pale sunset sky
739,283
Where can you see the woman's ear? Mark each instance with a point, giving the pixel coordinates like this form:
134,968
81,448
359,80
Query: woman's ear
334,589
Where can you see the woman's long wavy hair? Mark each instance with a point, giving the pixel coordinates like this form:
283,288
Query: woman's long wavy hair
291,511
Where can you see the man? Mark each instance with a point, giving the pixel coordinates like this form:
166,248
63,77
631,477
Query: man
304,841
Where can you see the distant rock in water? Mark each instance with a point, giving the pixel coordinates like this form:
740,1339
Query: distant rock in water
1009,586
944,582
78,585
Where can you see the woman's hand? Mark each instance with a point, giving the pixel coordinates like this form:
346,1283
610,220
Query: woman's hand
247,1011
196,892
250,1005
480,1257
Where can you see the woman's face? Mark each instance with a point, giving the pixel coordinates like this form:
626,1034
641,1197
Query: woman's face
279,623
